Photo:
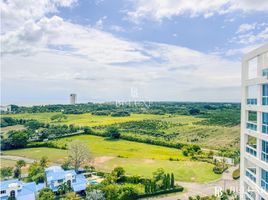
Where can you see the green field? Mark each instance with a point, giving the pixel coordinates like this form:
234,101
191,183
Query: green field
136,158
83,119
183,128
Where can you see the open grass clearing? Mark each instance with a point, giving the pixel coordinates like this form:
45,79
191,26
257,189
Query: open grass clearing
136,158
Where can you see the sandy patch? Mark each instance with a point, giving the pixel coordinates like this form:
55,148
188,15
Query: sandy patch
149,161
102,159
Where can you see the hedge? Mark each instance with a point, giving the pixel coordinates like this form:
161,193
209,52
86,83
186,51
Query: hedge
176,189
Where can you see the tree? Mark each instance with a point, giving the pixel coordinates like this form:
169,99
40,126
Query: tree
46,194
95,195
113,132
172,181
159,174
127,193
17,170
168,182
66,165
111,192
78,153
36,173
58,117
87,130
44,162
64,188
118,173
6,172
34,124
71,196
18,139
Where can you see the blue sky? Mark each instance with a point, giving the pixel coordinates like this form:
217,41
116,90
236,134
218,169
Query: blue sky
177,50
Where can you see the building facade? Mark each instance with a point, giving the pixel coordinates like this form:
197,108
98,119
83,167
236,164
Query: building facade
55,176
19,189
72,98
254,126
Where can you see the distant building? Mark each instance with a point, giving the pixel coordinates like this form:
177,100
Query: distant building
5,108
254,126
73,98
19,189
55,176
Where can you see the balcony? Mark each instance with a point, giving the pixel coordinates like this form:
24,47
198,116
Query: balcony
251,150
252,126
253,101
251,174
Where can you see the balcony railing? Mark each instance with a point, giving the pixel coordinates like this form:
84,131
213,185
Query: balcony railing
250,196
265,128
252,126
251,150
265,100
265,72
251,174
252,101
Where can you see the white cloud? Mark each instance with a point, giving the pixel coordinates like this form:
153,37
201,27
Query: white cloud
246,27
48,55
17,12
249,34
159,9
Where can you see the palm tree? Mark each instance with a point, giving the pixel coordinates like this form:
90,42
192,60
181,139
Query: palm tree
63,188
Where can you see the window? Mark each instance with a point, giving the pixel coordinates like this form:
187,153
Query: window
264,151
3,192
264,180
265,122
265,94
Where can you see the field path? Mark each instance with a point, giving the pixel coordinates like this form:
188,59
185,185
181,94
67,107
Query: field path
193,189
16,158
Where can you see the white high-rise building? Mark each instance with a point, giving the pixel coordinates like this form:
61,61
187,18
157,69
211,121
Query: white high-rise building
254,126
72,98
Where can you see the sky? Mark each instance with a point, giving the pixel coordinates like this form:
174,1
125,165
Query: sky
126,50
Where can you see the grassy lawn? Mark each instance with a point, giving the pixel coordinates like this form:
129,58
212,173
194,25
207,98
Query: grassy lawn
138,158
183,170
100,146
54,155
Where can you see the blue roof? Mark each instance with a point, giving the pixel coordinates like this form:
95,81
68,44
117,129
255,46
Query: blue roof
80,183
55,173
27,191
4,184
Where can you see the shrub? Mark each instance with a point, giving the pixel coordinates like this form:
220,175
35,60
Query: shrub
236,174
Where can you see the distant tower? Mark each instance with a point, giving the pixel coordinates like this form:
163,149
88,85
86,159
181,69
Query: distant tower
72,98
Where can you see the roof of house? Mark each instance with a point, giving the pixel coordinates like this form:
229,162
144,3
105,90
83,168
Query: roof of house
57,173
26,192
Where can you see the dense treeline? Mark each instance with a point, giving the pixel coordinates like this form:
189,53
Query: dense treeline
36,131
186,108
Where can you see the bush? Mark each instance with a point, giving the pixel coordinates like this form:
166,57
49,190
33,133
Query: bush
113,132
120,114
236,174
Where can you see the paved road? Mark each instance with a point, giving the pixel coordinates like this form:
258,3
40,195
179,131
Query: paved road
16,158
193,189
